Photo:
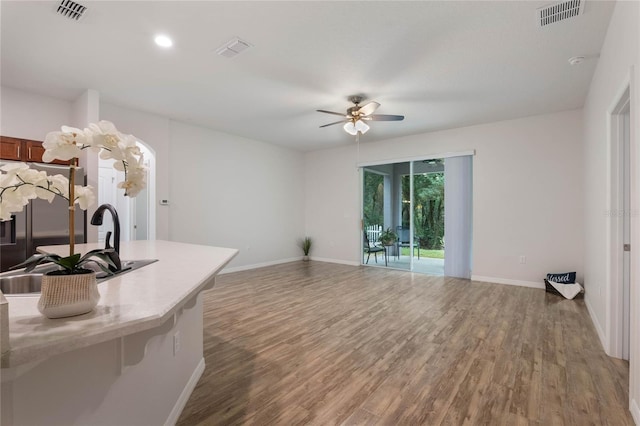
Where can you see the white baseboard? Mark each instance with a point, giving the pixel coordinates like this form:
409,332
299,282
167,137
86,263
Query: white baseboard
341,262
278,262
508,281
635,411
596,324
185,394
259,265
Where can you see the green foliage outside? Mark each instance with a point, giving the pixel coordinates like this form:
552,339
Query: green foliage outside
429,208
428,201
373,207
434,254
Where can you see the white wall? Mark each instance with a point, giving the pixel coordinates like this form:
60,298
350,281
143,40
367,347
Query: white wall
153,130
527,194
223,190
620,52
30,116
234,192
617,56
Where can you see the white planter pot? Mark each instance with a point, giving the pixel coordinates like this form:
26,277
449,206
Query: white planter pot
68,295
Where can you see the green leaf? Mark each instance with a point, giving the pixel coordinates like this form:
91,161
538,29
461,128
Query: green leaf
35,260
102,267
69,262
105,258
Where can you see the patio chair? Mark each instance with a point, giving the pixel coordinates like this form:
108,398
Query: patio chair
368,248
404,240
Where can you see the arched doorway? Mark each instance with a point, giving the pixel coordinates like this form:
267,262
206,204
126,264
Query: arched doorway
138,214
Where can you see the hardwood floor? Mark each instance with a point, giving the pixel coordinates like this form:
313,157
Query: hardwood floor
319,343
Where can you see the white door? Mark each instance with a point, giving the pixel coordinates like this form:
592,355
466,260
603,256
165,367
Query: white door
107,194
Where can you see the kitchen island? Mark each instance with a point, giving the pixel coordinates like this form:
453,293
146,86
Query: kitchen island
133,360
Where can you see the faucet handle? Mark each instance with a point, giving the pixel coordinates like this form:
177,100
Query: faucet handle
107,240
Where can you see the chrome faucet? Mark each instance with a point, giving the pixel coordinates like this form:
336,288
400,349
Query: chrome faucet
96,220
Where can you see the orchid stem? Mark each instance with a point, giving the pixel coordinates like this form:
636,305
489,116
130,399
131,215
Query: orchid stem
72,216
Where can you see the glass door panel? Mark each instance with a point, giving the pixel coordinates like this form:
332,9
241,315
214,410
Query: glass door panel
428,217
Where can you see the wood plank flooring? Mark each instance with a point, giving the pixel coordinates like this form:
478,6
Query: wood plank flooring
323,344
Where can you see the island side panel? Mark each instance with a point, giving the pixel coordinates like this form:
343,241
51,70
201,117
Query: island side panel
138,379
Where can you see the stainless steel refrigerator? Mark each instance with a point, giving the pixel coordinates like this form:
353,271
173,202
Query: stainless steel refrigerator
40,223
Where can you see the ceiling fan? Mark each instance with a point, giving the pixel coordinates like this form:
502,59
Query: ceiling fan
356,116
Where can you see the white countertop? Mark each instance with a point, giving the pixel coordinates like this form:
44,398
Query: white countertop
136,301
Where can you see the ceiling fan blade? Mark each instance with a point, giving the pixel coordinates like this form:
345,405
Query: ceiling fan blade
331,112
368,108
335,122
385,117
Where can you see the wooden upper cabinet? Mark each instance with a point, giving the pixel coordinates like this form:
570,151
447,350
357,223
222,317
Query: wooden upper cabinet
10,148
23,150
34,151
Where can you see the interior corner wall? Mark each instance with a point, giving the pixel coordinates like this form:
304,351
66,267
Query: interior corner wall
85,110
619,53
234,192
153,130
30,116
527,194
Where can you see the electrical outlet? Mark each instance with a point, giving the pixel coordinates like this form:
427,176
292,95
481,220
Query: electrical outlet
176,343
523,260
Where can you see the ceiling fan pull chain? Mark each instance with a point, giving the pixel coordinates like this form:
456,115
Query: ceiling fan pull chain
357,150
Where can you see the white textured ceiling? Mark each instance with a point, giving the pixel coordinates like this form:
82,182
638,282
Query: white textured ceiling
441,64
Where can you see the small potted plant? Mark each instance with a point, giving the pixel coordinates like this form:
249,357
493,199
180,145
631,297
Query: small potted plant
306,248
387,237
72,289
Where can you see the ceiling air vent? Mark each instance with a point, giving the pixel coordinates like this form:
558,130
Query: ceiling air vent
70,9
559,12
233,47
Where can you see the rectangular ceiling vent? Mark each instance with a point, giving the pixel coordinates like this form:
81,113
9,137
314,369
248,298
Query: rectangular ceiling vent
233,47
70,9
559,12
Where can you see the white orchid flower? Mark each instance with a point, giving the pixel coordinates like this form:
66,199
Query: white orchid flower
60,185
14,199
19,184
64,145
84,196
6,211
7,207
113,153
36,184
132,186
104,135
13,168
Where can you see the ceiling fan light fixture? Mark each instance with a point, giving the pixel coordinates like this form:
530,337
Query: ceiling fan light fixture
350,128
361,126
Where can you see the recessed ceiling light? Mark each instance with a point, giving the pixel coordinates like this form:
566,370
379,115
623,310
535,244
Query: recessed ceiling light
163,41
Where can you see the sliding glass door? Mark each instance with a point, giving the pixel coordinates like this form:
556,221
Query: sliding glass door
406,213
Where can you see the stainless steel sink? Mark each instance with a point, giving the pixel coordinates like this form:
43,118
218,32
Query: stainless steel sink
20,283
127,266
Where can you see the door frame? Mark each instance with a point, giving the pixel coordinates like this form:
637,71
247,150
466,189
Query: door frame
614,295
